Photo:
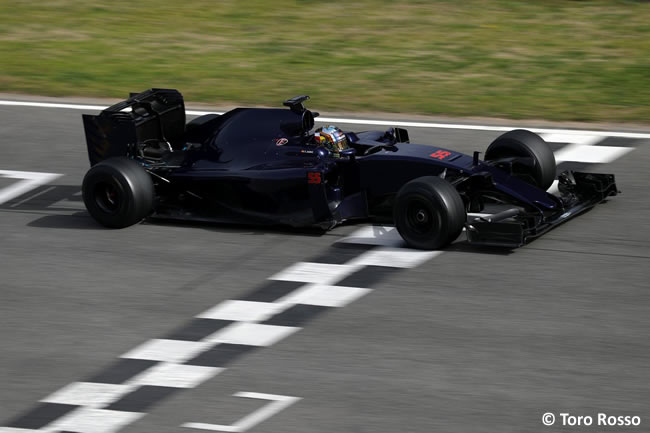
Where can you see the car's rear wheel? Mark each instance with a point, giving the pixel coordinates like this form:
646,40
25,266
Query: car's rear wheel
429,213
538,166
118,192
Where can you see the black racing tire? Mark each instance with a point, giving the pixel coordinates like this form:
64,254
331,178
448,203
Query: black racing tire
429,213
118,192
521,142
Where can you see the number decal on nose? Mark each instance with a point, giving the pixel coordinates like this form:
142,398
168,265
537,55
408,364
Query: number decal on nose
440,154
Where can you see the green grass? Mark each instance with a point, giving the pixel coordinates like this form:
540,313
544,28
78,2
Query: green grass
551,59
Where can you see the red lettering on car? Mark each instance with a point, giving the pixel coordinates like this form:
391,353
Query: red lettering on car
313,177
440,154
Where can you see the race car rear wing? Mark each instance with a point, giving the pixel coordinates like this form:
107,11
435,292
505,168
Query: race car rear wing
155,114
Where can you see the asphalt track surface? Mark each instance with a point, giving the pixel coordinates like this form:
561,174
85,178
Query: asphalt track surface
472,340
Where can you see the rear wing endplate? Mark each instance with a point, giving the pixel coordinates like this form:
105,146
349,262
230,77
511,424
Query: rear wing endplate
155,114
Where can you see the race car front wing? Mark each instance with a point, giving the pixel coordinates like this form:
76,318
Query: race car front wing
514,227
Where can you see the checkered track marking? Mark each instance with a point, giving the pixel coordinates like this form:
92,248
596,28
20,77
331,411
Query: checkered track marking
205,346
587,149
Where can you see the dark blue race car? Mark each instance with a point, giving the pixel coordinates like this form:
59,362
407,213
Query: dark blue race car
266,166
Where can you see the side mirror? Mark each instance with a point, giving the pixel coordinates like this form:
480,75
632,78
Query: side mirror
401,135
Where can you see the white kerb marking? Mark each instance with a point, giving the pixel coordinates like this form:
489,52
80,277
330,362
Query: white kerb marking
28,181
175,375
90,420
251,334
89,394
394,257
324,295
307,272
375,235
245,311
279,403
175,351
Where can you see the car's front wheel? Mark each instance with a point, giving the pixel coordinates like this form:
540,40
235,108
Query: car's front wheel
429,213
118,192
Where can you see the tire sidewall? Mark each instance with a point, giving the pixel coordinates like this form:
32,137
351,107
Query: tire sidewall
441,200
134,190
521,142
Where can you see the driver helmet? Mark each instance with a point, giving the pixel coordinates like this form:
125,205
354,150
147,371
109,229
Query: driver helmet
332,138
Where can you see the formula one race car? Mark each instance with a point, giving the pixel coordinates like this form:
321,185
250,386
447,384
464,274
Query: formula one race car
267,166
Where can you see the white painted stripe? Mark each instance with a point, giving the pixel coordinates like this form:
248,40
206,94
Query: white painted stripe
323,273
175,375
324,295
375,235
51,105
394,257
176,351
590,154
482,127
91,394
249,311
370,121
29,180
586,139
252,334
18,430
280,402
90,420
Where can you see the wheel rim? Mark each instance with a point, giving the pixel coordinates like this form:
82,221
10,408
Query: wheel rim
420,218
107,197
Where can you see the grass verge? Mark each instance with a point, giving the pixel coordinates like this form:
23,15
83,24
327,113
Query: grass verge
550,59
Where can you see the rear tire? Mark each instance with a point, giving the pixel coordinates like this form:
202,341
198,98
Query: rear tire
118,192
429,213
521,142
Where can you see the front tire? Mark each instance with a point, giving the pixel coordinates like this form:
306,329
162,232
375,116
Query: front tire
429,213
118,192
524,143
